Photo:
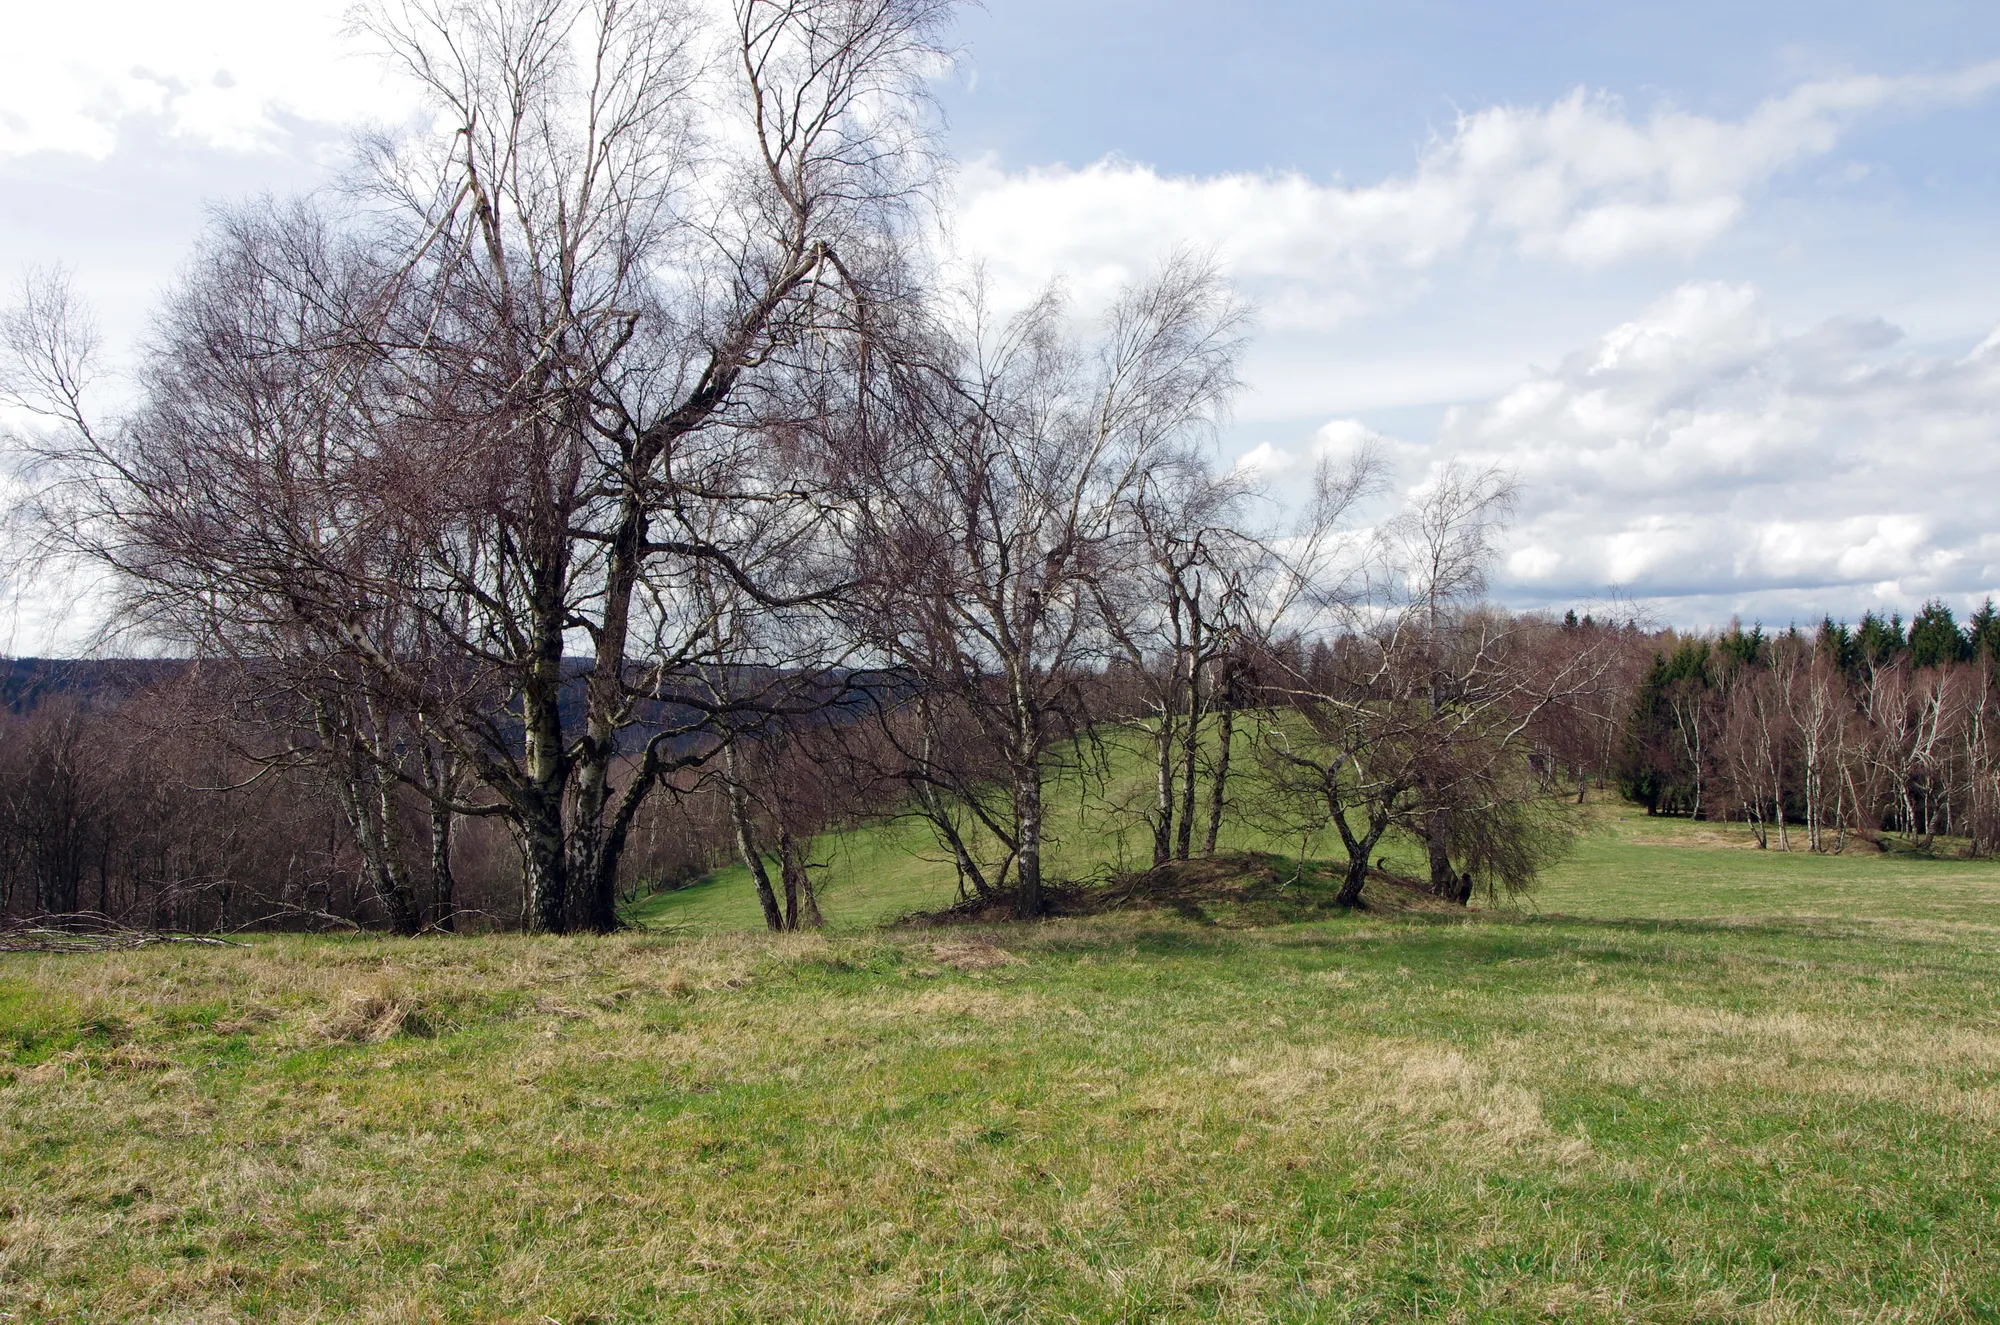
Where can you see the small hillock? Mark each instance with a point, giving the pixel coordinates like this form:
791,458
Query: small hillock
1234,887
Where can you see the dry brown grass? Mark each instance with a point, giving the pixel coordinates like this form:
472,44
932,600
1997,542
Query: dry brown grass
972,956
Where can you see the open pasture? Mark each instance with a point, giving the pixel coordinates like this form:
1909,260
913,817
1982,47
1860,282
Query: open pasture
1690,1082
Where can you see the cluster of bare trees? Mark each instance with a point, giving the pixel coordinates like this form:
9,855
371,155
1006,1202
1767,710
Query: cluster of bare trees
608,477
117,806
1428,713
1813,739
553,382
579,440
159,802
1034,504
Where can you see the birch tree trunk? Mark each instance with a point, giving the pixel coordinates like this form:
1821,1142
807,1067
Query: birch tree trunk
1225,733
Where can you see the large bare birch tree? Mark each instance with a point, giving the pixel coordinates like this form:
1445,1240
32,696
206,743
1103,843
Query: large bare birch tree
482,426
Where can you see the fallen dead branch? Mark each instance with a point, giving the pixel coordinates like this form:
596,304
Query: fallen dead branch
93,934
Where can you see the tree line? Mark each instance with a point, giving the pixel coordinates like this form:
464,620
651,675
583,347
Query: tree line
1816,738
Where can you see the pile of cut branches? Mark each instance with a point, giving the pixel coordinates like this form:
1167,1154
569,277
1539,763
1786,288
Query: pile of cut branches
91,933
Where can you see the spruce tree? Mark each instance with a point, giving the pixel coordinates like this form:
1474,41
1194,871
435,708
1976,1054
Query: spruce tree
1934,637
1654,767
1744,648
1879,642
1835,642
1982,634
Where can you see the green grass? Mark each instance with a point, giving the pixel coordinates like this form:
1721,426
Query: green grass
871,874
1633,866
1694,1082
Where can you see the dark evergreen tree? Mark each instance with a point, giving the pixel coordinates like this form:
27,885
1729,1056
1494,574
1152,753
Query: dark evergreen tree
1878,642
1934,637
1658,765
1836,641
1742,648
1982,634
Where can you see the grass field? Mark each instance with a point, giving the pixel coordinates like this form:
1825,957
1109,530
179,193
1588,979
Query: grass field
1689,1081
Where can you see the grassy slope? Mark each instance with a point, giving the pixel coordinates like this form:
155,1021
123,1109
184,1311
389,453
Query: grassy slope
881,872
1724,1085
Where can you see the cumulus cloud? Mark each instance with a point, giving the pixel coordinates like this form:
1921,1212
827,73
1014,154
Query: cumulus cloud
1582,181
1698,453
226,74
1334,440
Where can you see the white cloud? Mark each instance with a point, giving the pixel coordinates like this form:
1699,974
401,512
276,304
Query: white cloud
1695,453
1336,439
224,74
1581,181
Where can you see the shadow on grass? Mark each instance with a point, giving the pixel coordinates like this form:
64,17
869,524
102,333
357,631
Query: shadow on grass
1220,905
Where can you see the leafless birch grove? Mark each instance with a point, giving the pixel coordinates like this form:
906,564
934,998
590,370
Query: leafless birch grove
611,481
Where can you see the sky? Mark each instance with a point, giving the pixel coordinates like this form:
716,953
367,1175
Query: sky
1716,282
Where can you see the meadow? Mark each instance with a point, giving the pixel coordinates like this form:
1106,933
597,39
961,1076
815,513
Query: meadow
1685,1081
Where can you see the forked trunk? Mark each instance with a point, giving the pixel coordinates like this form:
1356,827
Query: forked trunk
392,886
369,808
1359,850
801,907
1354,880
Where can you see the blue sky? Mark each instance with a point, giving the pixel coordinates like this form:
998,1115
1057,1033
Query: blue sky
1204,87
1715,280
1785,450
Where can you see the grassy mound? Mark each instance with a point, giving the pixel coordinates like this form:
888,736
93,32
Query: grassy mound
1231,888
1096,827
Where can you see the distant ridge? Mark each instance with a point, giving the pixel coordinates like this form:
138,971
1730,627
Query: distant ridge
26,682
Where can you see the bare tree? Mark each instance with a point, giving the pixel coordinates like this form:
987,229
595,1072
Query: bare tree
1755,745
539,377
1167,618
1437,553
1005,509
1419,713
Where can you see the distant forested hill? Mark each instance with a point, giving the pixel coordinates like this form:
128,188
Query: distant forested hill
26,682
